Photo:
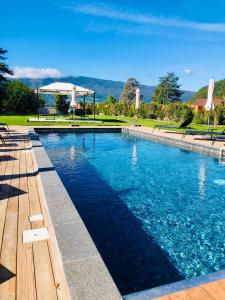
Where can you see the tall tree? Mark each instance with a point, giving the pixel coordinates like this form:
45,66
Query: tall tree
168,90
110,100
4,69
61,104
129,91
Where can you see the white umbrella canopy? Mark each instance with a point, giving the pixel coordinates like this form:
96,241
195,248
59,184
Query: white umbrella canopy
63,88
138,97
73,97
209,103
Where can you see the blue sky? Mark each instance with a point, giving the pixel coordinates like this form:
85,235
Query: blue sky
116,39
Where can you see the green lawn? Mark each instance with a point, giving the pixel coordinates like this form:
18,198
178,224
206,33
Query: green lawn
105,121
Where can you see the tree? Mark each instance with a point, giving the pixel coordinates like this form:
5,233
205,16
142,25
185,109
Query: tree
19,98
4,69
110,100
168,90
129,91
61,103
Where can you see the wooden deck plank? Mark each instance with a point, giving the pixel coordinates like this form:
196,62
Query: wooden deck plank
198,293
26,287
9,239
3,202
215,290
163,298
222,283
46,288
180,296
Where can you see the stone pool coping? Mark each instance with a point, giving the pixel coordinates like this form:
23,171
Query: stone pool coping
83,265
178,286
86,274
180,143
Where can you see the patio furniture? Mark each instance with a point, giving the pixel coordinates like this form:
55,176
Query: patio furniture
209,131
46,112
220,136
182,125
2,140
4,128
4,124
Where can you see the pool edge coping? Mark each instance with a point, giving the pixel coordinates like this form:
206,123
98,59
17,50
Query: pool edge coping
174,287
95,261
180,143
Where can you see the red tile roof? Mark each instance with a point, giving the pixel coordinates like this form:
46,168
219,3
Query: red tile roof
202,102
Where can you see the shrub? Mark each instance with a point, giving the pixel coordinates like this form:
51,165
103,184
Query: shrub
20,99
200,118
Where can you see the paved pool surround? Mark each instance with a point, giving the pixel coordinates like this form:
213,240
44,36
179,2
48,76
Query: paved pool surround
181,143
87,276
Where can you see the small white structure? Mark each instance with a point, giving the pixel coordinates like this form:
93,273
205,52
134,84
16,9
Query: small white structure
209,103
209,106
68,89
138,98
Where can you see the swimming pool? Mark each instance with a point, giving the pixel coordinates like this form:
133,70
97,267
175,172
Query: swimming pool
155,212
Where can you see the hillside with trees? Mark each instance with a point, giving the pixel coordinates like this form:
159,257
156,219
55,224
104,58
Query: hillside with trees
219,91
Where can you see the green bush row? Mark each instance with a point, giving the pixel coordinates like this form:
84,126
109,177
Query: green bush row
177,112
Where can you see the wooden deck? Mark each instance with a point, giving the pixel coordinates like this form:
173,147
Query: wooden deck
210,291
27,270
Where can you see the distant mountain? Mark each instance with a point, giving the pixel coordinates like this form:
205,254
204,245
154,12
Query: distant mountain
219,91
102,87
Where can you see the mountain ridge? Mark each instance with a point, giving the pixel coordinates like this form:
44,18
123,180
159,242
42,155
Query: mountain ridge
103,87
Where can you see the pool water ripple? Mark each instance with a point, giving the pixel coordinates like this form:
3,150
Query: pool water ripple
150,208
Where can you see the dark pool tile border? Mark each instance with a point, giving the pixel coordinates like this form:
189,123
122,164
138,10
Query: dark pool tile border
67,224
79,129
175,287
187,145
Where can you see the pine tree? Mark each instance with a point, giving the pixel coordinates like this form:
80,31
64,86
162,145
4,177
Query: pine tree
110,100
168,90
4,69
129,91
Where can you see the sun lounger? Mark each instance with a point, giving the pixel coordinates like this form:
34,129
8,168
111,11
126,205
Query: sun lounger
182,125
219,136
2,140
209,132
5,125
4,128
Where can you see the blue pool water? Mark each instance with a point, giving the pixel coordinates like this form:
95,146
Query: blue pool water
156,213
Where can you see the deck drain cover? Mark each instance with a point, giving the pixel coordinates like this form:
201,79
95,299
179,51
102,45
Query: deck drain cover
35,218
34,235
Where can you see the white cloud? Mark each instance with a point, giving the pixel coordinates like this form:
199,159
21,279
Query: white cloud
35,73
188,71
112,12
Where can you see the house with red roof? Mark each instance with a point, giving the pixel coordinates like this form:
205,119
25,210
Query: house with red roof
199,105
